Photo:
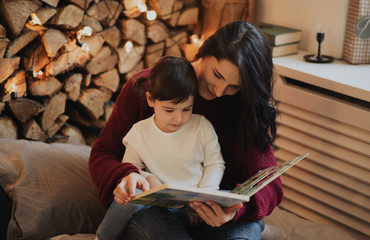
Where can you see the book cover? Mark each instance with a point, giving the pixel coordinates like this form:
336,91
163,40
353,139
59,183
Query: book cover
278,35
174,196
285,49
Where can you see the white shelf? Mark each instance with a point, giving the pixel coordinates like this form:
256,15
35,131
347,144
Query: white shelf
338,76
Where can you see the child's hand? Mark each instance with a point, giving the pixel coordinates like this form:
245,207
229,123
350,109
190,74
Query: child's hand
153,181
124,193
194,219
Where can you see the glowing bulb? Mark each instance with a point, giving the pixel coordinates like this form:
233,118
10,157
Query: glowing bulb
142,7
85,31
14,88
35,20
85,47
195,40
128,46
151,15
38,73
13,92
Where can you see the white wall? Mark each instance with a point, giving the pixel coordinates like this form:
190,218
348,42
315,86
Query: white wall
305,15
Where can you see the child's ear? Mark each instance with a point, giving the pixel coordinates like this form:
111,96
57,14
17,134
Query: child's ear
149,99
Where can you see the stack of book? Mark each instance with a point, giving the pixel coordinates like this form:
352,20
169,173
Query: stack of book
283,40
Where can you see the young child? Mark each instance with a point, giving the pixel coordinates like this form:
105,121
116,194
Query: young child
173,145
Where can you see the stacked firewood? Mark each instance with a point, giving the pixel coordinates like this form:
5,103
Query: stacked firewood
63,62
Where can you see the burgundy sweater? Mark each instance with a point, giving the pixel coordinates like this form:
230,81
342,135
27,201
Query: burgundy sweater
106,155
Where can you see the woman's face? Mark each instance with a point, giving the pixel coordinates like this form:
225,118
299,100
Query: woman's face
217,78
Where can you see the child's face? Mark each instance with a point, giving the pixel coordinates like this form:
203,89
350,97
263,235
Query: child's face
169,116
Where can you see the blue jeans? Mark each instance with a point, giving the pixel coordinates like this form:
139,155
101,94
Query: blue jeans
138,222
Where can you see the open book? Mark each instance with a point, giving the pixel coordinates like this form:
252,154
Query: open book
174,196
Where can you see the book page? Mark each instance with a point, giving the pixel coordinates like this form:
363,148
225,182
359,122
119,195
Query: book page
265,176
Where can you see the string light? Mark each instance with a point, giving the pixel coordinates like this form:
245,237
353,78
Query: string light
195,40
84,46
151,15
13,92
37,74
85,31
35,20
142,7
128,46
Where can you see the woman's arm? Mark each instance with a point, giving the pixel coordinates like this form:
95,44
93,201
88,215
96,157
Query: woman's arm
105,164
263,202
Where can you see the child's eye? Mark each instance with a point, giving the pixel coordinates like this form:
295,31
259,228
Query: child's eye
187,109
169,111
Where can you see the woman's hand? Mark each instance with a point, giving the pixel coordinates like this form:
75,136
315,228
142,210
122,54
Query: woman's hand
124,193
213,214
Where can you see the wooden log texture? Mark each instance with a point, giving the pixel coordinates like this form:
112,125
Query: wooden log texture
4,42
82,3
112,36
188,16
105,60
73,57
58,124
24,108
16,13
8,128
17,83
20,42
157,31
107,12
72,85
52,3
134,31
44,87
45,13
93,22
153,53
54,106
176,13
172,49
2,106
108,79
35,58
7,67
2,31
32,130
128,60
95,43
166,7
93,100
136,69
53,40
69,16
74,134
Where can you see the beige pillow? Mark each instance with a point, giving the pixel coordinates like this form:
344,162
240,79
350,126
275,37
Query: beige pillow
51,189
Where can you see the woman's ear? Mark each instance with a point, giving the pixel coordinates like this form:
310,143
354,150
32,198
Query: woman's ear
149,99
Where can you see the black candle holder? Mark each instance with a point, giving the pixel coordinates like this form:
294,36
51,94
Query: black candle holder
319,58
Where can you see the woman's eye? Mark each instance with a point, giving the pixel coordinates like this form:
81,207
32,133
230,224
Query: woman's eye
217,75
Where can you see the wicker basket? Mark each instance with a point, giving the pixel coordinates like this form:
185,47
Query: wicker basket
356,48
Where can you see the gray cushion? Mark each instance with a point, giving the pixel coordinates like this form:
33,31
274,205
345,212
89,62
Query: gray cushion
51,189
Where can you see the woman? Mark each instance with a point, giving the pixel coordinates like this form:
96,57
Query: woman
234,70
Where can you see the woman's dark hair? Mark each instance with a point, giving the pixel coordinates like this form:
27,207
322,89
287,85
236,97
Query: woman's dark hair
243,45
171,79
